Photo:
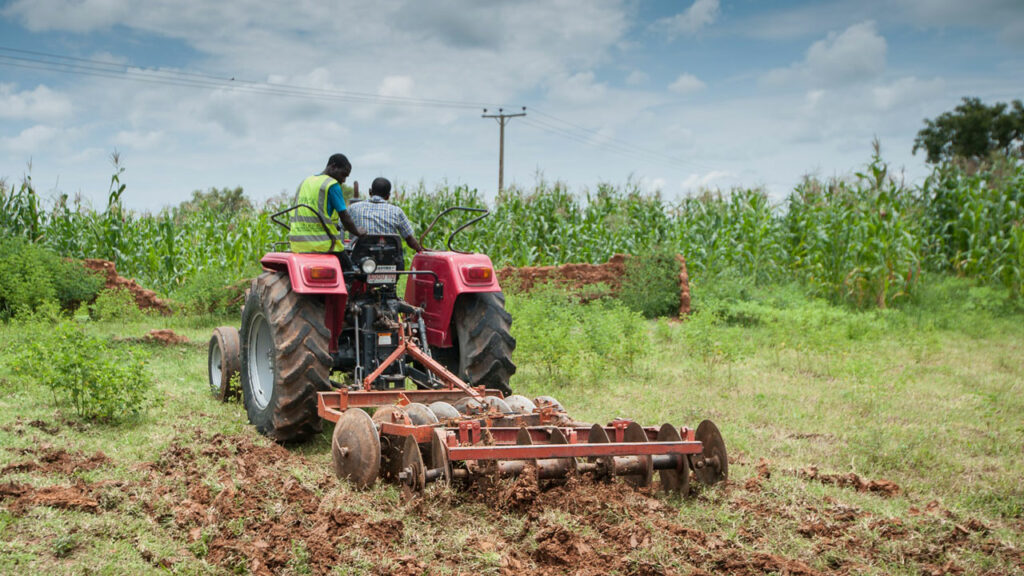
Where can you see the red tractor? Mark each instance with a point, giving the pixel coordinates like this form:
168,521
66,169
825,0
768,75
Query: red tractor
433,366
308,316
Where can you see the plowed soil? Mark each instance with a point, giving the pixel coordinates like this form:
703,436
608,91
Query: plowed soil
248,506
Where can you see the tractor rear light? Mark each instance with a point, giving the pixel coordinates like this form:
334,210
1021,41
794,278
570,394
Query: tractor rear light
478,274
320,275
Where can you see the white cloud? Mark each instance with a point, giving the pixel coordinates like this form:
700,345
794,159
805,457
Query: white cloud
30,140
692,20
906,91
139,139
637,77
686,84
40,104
699,181
855,55
397,86
578,88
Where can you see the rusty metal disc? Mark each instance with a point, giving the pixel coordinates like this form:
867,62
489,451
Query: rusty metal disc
545,401
566,466
420,414
498,404
439,455
635,433
355,448
715,467
391,414
520,404
444,411
676,479
412,476
598,435
468,405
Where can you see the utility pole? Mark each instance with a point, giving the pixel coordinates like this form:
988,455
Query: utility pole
502,119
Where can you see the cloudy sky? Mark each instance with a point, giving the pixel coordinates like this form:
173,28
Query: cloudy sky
674,95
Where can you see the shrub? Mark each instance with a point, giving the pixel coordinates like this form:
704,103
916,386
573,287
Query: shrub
31,276
101,381
568,340
650,285
115,304
212,291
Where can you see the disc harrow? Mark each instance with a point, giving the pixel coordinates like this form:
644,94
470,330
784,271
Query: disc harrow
418,437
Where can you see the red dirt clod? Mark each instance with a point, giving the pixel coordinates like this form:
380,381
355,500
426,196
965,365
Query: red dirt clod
144,299
165,337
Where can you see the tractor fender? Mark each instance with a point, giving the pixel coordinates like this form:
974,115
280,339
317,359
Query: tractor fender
460,274
309,273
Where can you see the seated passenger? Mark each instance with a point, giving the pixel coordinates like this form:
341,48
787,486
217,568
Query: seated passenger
378,216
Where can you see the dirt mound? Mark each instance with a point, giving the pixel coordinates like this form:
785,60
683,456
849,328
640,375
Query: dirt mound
577,276
851,480
50,460
164,337
144,299
75,497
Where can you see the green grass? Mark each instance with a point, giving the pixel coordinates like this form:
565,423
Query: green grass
928,396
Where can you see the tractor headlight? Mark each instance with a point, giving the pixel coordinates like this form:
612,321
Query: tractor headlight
368,266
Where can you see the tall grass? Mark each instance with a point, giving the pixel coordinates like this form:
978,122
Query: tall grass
862,240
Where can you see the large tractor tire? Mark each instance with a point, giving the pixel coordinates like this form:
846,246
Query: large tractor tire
484,343
285,358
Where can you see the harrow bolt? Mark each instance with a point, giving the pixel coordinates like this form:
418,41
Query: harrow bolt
698,464
405,475
343,451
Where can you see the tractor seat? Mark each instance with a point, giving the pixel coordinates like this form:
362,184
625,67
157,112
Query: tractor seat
385,249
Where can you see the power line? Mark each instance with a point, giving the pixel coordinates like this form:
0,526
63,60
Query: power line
502,119
97,68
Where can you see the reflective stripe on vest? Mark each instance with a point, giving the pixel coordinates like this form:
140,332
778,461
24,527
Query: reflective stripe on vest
307,230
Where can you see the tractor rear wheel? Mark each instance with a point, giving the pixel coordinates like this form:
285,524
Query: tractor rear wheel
484,341
285,358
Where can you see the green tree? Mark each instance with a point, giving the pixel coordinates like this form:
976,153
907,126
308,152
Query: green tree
973,131
226,200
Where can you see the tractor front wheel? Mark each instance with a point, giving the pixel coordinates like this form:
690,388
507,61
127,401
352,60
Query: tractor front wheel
285,358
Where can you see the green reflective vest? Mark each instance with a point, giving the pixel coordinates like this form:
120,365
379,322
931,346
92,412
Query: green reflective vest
307,233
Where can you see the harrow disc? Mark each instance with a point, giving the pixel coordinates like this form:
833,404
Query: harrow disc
520,404
598,435
355,448
439,456
392,414
544,401
468,405
556,468
676,479
420,414
412,475
636,433
444,411
712,465
498,404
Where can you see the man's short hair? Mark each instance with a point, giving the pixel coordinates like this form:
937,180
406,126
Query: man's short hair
339,161
381,187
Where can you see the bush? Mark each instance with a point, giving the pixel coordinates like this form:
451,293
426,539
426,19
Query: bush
102,381
568,340
650,285
115,304
31,276
213,291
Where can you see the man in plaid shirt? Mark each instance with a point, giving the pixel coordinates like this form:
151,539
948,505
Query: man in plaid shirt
377,216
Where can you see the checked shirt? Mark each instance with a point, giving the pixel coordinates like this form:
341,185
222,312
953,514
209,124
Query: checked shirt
377,216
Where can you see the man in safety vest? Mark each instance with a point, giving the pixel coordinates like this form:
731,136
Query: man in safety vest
322,192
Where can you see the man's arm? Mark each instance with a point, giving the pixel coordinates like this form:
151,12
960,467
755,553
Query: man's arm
405,230
350,225
411,241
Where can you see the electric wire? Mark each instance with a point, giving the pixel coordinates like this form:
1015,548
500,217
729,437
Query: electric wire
37,60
